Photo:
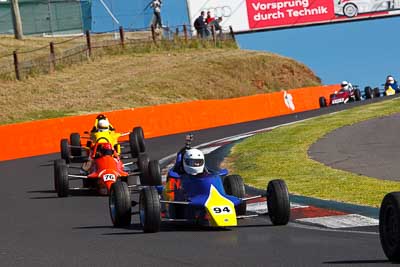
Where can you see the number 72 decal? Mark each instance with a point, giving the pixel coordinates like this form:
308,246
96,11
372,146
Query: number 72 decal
109,177
221,210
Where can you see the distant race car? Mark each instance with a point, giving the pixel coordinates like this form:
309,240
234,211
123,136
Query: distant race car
104,167
389,226
73,150
341,97
216,200
352,8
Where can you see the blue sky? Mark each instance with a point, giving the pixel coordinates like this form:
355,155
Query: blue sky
362,52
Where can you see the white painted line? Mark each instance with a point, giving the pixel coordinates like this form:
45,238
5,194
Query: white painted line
261,207
342,221
208,150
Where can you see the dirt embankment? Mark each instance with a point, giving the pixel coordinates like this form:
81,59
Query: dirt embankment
134,80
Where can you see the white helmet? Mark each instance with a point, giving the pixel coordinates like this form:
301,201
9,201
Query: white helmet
103,125
193,161
390,79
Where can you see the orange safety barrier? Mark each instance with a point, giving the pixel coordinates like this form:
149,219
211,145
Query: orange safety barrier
43,137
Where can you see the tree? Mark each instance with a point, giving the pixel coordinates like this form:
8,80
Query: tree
17,20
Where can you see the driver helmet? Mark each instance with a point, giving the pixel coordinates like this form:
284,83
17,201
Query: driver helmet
103,125
390,79
344,84
107,149
193,161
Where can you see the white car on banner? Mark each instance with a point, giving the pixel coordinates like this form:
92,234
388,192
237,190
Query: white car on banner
351,8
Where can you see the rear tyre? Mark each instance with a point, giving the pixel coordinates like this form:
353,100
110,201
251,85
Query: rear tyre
143,162
65,153
76,149
278,202
322,102
149,210
377,93
134,145
368,92
234,186
119,203
389,226
138,132
154,174
357,94
61,179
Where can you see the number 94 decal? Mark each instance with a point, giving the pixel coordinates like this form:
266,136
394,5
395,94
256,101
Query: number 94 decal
221,210
109,177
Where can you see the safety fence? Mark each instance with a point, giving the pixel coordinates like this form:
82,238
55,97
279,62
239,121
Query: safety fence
43,137
84,47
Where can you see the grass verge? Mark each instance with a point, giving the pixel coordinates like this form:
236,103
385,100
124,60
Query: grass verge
283,153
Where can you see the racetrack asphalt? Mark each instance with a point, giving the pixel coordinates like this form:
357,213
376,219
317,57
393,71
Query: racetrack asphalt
39,229
371,148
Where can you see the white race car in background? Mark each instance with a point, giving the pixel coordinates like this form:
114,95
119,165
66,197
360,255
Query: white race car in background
351,8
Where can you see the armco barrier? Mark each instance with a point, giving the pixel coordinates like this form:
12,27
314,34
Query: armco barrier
43,137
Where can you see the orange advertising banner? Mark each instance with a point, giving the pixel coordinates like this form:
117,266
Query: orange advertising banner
43,137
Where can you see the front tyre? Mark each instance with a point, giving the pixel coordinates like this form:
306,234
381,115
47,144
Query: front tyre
368,92
61,178
149,210
322,102
278,202
119,203
153,174
234,186
389,226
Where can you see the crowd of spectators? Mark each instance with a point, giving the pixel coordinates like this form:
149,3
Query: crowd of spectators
204,25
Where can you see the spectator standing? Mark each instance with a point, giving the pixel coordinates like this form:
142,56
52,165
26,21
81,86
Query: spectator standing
209,19
200,26
216,24
156,5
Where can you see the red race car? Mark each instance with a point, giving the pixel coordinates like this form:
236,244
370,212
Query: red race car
103,168
341,97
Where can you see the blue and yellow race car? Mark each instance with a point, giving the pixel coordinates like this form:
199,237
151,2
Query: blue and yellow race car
213,199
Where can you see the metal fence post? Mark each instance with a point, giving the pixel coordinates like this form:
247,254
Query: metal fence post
122,36
52,58
16,66
213,35
153,34
232,34
88,42
185,32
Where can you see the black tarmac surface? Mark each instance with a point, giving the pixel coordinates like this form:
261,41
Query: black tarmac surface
39,229
371,148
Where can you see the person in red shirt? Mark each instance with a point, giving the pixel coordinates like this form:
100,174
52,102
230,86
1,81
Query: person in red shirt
209,19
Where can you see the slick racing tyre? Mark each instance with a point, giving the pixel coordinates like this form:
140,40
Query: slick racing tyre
234,186
357,94
136,142
65,153
149,210
153,175
143,162
278,202
377,93
56,166
368,92
389,226
350,10
61,178
119,203
75,141
322,102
